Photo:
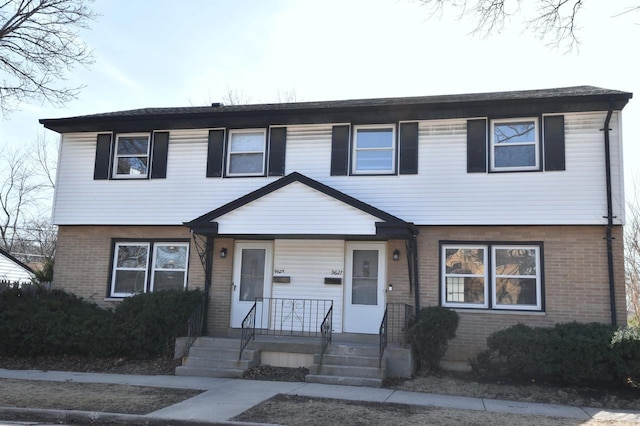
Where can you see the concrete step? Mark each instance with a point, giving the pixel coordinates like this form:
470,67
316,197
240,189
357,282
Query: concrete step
348,371
209,372
222,354
358,361
217,342
344,380
370,351
199,362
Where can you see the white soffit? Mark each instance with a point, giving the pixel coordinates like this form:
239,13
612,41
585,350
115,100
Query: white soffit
297,209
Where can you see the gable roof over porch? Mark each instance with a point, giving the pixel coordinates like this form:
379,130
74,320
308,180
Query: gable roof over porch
296,206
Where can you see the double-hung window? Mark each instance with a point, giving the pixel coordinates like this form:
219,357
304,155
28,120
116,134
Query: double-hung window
131,156
514,144
140,267
500,276
246,153
374,150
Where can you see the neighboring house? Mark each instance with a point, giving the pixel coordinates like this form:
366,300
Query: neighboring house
13,271
507,207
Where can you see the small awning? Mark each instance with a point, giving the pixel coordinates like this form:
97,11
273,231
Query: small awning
296,206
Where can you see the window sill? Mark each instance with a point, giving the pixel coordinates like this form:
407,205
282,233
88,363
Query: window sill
499,311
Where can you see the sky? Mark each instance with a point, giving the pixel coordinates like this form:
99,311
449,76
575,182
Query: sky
166,53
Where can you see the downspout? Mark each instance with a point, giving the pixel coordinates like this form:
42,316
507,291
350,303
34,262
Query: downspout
610,217
208,273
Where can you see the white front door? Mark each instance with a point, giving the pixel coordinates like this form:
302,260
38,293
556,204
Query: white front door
252,273
364,299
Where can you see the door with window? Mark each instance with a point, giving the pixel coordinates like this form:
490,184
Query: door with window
252,267
365,276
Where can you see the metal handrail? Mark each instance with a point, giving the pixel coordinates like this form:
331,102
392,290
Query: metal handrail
248,329
290,316
325,332
383,337
194,327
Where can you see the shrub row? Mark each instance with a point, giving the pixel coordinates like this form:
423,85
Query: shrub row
430,335
571,353
34,321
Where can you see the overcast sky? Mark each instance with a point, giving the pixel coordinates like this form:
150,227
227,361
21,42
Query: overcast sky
180,53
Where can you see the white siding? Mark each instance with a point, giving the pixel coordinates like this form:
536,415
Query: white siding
308,262
443,193
11,271
297,209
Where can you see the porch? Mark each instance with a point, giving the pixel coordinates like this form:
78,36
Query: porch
288,335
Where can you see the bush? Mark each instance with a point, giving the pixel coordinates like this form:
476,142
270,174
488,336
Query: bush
430,335
149,323
571,353
626,345
34,321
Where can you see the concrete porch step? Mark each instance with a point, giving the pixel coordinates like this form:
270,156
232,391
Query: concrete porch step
217,357
369,351
209,372
200,362
222,353
217,343
345,381
357,361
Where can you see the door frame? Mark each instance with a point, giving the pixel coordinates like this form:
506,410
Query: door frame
239,309
364,318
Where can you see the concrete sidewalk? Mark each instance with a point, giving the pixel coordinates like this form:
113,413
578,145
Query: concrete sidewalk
226,398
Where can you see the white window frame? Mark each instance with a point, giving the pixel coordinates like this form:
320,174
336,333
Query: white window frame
355,150
112,292
230,153
115,173
536,143
495,276
150,267
490,277
446,275
155,269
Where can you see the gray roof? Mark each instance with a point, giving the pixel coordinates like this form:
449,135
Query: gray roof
327,111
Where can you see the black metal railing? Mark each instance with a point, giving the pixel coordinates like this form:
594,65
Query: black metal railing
400,317
383,336
325,332
248,329
291,317
195,324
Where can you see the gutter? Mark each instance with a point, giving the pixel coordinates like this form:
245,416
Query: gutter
609,217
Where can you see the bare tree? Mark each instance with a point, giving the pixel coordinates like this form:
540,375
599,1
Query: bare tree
235,97
38,46
632,260
26,186
556,20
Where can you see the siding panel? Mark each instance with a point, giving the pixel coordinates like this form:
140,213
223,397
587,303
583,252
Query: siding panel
442,193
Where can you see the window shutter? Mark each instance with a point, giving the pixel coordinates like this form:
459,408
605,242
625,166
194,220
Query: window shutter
215,153
103,157
408,148
159,155
340,150
277,151
477,146
554,142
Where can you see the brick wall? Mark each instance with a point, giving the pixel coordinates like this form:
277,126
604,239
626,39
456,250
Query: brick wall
576,283
83,257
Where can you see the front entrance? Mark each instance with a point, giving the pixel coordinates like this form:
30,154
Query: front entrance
364,298
252,267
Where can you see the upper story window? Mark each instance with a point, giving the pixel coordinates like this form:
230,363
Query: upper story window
246,153
374,150
514,144
131,156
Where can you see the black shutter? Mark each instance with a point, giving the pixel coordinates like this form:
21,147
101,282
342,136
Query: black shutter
408,148
103,157
477,146
554,142
215,153
160,151
340,150
277,151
